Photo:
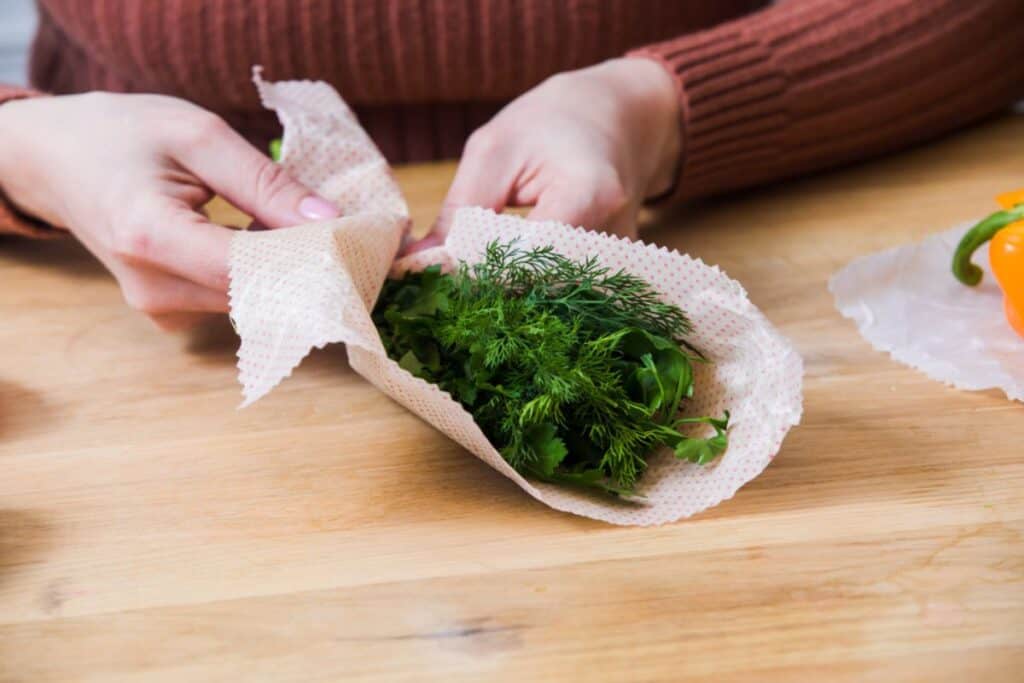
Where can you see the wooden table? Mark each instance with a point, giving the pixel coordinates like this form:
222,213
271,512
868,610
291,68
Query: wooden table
149,531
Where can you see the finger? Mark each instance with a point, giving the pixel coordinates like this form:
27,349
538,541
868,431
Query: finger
235,169
179,322
171,237
590,205
571,207
485,177
156,293
430,240
624,222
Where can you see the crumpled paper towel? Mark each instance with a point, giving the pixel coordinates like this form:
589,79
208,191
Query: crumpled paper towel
906,301
304,287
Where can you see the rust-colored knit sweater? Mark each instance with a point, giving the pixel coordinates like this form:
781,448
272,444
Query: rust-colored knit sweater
797,86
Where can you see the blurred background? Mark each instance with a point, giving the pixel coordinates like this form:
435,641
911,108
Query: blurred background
17,24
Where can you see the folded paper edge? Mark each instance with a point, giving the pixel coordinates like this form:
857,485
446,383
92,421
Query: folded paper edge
928,365
792,359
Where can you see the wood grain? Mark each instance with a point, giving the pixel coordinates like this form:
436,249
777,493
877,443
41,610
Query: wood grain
149,531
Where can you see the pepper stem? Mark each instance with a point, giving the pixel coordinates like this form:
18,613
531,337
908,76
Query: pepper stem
967,272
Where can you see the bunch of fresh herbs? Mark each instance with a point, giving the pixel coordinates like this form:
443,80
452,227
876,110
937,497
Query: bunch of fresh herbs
574,372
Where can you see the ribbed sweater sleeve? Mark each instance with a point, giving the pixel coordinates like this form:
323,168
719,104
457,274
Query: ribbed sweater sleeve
11,220
805,85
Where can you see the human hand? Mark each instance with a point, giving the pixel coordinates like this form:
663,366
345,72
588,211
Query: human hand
127,174
584,147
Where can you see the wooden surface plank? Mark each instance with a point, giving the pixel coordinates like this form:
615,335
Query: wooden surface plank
149,531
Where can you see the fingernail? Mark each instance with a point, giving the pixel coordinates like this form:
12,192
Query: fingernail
317,208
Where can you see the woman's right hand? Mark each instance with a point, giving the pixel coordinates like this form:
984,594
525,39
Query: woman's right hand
127,175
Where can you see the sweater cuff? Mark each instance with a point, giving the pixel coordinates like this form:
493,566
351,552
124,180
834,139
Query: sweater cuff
731,95
13,221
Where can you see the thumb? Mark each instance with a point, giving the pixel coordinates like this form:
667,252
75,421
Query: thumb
236,170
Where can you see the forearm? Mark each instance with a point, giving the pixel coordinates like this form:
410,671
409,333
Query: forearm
807,85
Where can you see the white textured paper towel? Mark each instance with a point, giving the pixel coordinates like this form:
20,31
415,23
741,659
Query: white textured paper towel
906,301
304,287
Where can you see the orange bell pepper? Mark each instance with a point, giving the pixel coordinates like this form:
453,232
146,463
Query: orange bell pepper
1005,232
1008,200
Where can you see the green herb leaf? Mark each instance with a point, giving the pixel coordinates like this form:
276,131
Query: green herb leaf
410,363
574,372
550,449
703,451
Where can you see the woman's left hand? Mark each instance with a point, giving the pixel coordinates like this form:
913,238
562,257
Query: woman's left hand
584,147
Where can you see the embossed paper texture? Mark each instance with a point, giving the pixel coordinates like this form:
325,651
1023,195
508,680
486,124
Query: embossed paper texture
304,287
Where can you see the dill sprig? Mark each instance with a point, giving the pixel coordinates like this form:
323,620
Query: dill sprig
587,289
574,372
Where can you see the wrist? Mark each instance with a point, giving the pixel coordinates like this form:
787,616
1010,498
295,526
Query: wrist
9,137
653,102
14,218
11,106
21,187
